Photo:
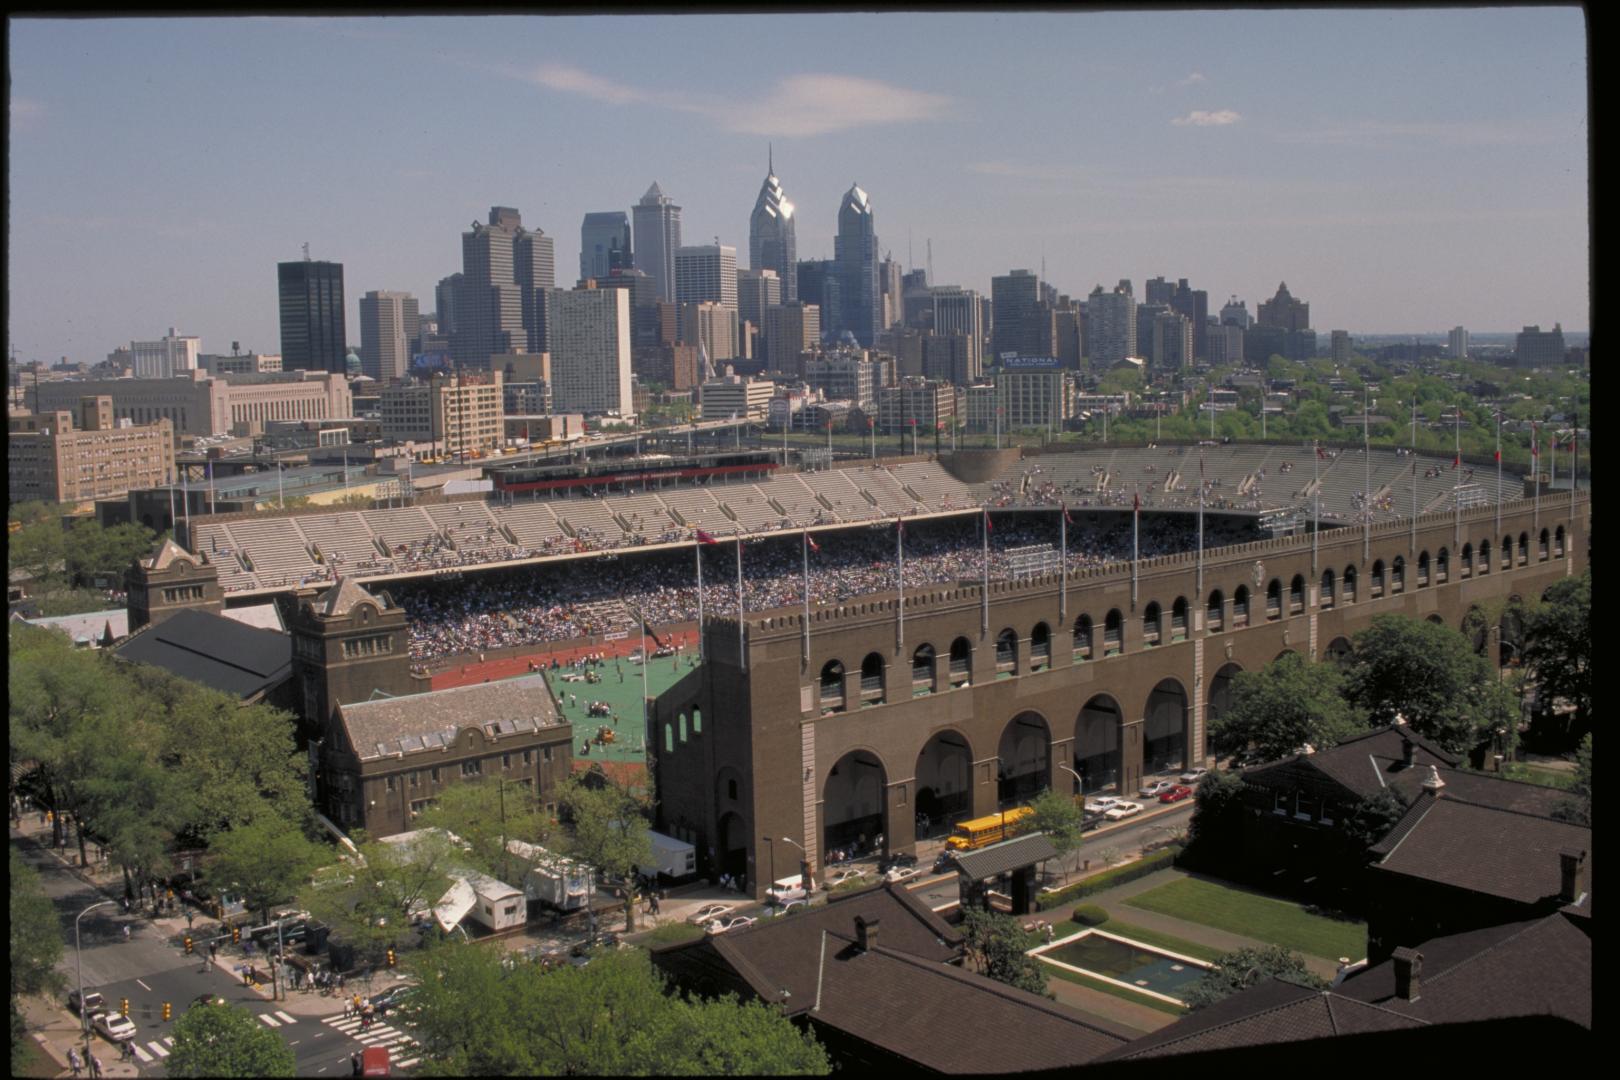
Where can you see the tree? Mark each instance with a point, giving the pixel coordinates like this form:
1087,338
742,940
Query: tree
1579,807
610,1017
484,815
91,549
608,831
1429,674
1216,829
36,551
1288,703
265,862
1372,819
369,901
1059,817
1558,646
1244,968
36,933
226,1040
997,947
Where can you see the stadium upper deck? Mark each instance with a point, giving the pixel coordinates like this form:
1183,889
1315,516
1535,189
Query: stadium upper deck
276,552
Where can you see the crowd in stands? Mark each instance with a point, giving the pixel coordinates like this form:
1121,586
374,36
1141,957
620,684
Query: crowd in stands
558,602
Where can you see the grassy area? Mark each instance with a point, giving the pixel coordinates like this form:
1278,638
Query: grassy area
1116,991
1161,940
621,689
1262,918
671,933
1539,774
34,1061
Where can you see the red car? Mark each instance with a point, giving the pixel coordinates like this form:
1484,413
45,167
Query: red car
1177,793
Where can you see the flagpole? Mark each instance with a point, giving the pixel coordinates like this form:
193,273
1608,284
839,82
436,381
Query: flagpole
209,468
1411,545
742,656
1456,487
185,503
1366,453
984,592
1535,464
1316,511
1063,563
1498,473
805,645
1136,539
900,564
697,553
1200,597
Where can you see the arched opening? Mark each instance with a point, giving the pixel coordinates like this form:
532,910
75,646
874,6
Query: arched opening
872,679
669,738
681,726
832,685
1150,625
1442,566
1240,607
944,783
922,670
1397,574
1164,733
733,848
1096,744
1377,578
1423,569
1437,620
1558,543
1510,637
1113,633
1524,549
1220,697
1475,629
1349,579
1006,653
1040,647
961,668
1328,598
852,802
1274,599
1339,651
1467,563
697,720
1543,547
1022,759
1296,595
1507,552
1082,638
1178,619
1215,612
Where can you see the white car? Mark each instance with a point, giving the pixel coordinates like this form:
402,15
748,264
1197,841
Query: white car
1121,810
114,1027
1099,804
1156,788
1192,776
709,912
901,873
729,923
849,873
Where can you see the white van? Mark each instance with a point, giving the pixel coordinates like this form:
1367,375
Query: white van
786,889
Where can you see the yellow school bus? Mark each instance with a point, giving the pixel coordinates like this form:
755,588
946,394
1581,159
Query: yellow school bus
982,832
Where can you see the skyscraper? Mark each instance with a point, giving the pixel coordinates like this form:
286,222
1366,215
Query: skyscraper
166,357
855,249
389,321
957,311
312,330
756,291
604,244
819,285
707,273
1016,328
590,351
498,304
658,236
1110,326
771,243
1457,345
1284,312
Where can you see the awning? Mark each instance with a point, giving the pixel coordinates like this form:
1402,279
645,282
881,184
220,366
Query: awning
997,859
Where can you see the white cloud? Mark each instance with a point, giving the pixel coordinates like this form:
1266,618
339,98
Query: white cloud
1192,77
573,80
1201,118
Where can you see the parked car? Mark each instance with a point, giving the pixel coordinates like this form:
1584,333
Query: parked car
1176,793
1156,788
729,923
113,1027
91,1003
899,859
848,873
902,873
783,909
1121,810
1099,804
391,998
708,913
945,862
1193,776
1090,821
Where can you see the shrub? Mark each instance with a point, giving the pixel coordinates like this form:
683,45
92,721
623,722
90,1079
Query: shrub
1109,878
1090,915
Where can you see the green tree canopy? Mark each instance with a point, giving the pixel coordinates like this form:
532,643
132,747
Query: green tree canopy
1579,807
1246,967
36,932
1215,831
1288,703
1372,819
608,830
226,1040
91,548
265,862
996,947
1558,645
485,814
610,1017
369,901
1429,674
1059,817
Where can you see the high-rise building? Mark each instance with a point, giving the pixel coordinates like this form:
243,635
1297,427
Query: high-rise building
790,329
713,327
1193,304
590,351
1172,342
855,248
1341,346
657,238
604,244
951,358
958,311
1535,347
1457,345
458,414
757,290
312,329
165,358
389,322
890,277
1110,325
819,285
1146,313
1225,342
1068,345
444,299
1015,299
46,458
706,273
1284,312
499,306
771,242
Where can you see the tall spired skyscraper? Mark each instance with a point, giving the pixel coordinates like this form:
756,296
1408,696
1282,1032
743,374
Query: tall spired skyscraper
658,235
855,249
771,245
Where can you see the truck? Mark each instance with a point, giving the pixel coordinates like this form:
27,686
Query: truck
553,880
671,858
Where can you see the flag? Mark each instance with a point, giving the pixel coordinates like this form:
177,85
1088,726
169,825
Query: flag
1066,516
1136,502
1321,453
705,538
1499,457
1456,461
987,529
646,628
813,545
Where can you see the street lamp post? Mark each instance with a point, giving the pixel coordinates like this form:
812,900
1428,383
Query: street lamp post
809,879
768,840
78,968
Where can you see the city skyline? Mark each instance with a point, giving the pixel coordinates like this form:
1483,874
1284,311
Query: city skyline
1428,170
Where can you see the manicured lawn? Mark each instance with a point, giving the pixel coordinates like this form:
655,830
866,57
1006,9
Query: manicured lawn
1536,774
1278,922
1116,991
35,1062
1161,940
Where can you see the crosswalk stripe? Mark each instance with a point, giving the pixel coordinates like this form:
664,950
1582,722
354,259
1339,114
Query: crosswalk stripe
269,1020
143,1055
285,1019
407,1063
397,1041
159,1049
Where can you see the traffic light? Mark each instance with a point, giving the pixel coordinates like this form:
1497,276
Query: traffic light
123,1007
236,935
390,957
168,1011
188,944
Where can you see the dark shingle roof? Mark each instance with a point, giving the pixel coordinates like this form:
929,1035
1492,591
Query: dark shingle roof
418,722
1008,855
1483,849
220,653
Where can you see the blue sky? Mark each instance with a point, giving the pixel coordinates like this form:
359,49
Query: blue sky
1403,171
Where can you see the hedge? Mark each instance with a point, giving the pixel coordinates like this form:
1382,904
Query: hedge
1109,878
1090,915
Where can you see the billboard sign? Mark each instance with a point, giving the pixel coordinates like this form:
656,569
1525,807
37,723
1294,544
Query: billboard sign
428,363
1030,363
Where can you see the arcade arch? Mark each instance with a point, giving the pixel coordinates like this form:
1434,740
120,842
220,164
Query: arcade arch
1023,753
852,807
1097,743
944,780
1165,740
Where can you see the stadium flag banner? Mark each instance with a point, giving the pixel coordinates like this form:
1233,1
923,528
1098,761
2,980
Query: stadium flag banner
705,538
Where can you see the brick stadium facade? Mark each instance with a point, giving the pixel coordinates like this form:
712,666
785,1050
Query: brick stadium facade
860,721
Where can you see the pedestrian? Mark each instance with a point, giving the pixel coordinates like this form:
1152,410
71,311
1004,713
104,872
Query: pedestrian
95,1066
354,1063
654,901
73,1054
348,1008
1050,933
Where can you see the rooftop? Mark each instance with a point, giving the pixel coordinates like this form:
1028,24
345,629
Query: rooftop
401,725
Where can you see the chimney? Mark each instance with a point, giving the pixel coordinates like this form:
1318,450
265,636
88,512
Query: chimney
1432,783
1571,875
1408,971
1407,751
866,932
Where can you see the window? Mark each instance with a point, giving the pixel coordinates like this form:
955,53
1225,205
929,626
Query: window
472,768
435,774
416,776
682,722
545,753
389,784
731,789
669,738
1281,802
420,805
506,761
1150,625
528,757
375,645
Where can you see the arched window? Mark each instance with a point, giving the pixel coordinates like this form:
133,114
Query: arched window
832,685
681,720
1327,598
1468,560
1507,552
1442,566
961,661
1215,612
1423,569
669,738
1040,647
1524,549
1296,595
1542,546
1006,652
1485,556
697,720
1377,578
1113,633
1349,579
1397,574
1558,543
1274,599
1240,607
1178,619
872,679
1082,638
922,668
1150,625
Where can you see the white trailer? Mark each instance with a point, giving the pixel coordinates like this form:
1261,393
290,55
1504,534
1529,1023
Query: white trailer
671,858
553,880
